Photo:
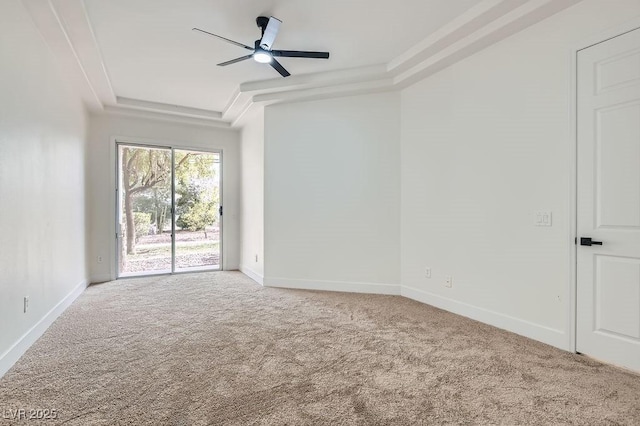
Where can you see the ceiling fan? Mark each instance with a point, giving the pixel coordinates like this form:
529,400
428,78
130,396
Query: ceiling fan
263,49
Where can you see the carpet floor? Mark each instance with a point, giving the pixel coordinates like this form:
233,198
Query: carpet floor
215,348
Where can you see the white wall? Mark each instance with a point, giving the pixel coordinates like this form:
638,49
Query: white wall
252,198
42,185
103,130
332,194
485,143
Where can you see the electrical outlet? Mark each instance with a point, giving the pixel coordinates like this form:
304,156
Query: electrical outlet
448,281
99,259
256,258
427,273
26,304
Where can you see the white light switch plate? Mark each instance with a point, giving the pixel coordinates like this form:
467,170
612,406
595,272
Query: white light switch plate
542,218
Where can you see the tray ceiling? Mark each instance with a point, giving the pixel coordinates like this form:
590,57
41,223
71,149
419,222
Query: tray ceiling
142,54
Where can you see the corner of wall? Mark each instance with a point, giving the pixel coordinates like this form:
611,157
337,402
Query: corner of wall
259,278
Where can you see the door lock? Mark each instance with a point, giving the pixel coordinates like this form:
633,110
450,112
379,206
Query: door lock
587,241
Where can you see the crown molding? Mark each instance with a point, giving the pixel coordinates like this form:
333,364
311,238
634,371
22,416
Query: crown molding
49,23
514,21
324,92
307,81
119,111
462,26
75,22
168,109
67,30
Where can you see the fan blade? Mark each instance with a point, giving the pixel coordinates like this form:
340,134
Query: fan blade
233,61
270,33
299,54
223,38
278,67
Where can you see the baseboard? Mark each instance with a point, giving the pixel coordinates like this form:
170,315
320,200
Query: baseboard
252,274
528,329
95,279
8,358
343,286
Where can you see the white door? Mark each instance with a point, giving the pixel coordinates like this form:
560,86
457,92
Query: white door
608,275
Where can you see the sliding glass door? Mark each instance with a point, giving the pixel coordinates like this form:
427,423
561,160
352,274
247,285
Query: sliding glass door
197,198
144,220
169,211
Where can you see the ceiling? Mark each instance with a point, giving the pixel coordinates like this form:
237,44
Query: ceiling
150,52
142,56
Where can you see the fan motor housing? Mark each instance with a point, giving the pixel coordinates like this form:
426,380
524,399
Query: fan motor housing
262,22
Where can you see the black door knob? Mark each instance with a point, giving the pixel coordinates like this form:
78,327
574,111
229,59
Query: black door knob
587,241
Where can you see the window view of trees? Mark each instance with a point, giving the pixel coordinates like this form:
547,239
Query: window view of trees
196,195
146,200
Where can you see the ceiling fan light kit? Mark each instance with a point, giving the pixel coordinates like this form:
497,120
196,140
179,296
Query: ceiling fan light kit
263,49
262,57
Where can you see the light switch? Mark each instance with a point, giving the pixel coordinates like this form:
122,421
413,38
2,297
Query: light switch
542,218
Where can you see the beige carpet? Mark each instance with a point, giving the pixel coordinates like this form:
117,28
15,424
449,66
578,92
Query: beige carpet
215,348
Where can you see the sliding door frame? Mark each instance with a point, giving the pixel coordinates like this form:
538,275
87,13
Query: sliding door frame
120,141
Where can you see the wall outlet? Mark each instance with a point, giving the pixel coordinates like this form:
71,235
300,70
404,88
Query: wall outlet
427,272
99,259
26,304
256,258
448,281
